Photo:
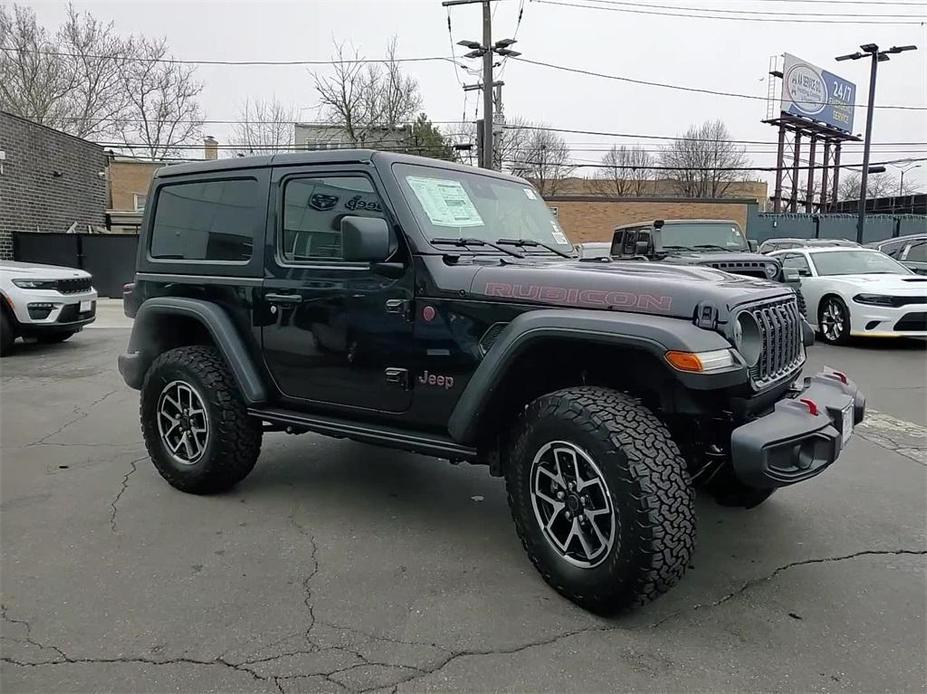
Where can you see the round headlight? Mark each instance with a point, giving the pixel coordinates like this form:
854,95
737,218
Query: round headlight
771,270
748,338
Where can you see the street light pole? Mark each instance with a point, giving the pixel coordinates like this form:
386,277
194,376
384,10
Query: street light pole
877,56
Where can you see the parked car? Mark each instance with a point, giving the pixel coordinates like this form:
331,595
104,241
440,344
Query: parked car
859,291
770,245
910,251
44,302
422,305
593,249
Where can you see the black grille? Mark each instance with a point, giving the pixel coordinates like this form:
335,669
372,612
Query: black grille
71,313
74,285
750,268
780,328
911,322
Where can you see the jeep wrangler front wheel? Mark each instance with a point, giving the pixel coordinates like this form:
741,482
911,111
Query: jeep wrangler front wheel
195,424
601,498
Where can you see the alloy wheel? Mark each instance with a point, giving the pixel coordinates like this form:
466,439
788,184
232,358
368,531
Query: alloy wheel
832,321
183,422
572,504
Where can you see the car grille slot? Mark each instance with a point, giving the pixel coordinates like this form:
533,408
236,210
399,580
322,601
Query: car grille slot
74,285
748,268
780,330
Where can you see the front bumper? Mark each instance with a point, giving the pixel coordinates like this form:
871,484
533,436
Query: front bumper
888,321
791,444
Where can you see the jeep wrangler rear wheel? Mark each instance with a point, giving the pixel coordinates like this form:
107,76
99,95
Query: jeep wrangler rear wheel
601,498
195,424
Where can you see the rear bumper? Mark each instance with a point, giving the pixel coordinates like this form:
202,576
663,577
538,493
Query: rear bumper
791,444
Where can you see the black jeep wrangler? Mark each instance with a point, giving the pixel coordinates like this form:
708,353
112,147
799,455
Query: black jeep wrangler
437,308
717,243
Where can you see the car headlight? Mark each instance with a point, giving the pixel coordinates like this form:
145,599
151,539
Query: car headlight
771,270
748,338
702,362
36,284
874,299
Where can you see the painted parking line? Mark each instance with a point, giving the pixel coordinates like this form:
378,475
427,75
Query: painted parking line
897,435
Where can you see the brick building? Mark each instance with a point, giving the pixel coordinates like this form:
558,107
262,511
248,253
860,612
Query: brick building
50,181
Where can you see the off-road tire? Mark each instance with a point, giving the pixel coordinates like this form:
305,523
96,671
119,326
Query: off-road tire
234,439
7,336
54,338
844,336
649,488
729,491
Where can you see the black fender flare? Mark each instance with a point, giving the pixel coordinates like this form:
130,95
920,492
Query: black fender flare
135,362
655,335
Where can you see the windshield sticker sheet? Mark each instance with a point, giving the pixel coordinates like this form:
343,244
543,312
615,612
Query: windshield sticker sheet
445,202
557,233
530,194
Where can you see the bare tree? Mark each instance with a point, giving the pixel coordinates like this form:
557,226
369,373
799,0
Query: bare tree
882,185
704,162
543,157
34,82
369,101
625,171
264,127
163,111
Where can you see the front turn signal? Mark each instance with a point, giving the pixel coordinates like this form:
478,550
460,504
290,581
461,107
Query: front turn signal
701,362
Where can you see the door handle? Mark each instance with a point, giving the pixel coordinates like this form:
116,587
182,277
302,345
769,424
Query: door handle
289,299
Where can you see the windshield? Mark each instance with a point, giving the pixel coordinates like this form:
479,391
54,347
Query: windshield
722,235
856,262
457,204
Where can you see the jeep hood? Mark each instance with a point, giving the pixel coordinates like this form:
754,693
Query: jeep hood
634,286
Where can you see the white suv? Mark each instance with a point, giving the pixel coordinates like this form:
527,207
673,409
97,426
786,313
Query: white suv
44,302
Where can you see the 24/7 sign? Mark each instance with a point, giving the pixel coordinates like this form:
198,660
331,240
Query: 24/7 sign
817,94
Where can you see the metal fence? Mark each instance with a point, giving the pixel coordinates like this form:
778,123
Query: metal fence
833,226
110,258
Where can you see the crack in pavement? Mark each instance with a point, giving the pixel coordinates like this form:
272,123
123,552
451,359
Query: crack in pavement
81,412
133,464
791,565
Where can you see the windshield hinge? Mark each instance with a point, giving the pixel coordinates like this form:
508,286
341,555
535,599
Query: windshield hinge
401,307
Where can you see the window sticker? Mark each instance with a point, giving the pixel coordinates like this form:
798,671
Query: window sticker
445,202
530,194
557,233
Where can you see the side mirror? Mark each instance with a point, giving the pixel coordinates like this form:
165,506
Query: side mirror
754,246
365,239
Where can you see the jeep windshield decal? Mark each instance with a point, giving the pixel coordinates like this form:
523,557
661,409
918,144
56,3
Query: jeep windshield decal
480,207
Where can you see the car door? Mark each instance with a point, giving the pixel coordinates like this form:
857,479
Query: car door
914,256
810,284
335,332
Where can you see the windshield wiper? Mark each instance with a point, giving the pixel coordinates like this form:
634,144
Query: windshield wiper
464,242
713,245
531,243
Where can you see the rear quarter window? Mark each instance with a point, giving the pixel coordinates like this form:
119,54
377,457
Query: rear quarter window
211,221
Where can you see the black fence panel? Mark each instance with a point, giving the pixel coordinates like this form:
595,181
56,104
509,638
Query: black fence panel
47,248
110,258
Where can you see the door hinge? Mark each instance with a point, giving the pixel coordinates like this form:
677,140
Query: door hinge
399,377
401,307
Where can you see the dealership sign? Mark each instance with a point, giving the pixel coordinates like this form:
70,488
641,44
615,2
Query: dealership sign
817,94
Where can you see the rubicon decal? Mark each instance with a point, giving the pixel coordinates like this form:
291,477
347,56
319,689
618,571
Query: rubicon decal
572,296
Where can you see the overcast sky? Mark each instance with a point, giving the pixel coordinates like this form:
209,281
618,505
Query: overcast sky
714,54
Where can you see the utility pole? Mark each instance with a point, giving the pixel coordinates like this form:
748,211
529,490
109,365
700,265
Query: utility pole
486,51
872,51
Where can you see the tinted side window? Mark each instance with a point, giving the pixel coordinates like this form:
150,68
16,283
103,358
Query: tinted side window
630,240
798,261
617,243
312,213
207,220
892,249
917,252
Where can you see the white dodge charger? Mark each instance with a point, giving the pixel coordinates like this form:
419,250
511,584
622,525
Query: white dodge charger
858,291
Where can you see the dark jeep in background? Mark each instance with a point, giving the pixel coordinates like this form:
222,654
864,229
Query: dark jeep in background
440,309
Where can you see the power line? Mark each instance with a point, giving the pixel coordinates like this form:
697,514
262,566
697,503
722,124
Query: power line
763,13
677,138
868,22
699,90
847,2
769,169
190,61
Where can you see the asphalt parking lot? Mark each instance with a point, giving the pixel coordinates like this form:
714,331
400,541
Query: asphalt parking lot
337,566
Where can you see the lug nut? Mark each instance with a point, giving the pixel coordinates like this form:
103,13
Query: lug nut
560,495
568,515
